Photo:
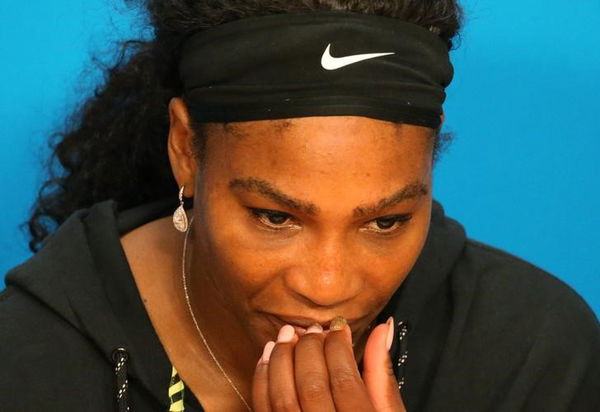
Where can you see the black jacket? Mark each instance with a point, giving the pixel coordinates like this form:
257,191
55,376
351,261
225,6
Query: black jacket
487,331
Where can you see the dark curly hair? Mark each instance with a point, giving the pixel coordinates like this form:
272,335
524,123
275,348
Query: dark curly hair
114,146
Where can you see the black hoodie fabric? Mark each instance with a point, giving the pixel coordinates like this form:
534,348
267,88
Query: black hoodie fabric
487,331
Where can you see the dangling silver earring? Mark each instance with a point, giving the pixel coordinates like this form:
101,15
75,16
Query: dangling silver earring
180,219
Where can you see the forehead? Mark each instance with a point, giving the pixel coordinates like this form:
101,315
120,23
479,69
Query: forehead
333,125
245,129
339,147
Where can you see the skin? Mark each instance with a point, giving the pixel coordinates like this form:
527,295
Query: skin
307,218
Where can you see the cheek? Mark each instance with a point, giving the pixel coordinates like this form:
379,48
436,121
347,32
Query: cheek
388,263
233,255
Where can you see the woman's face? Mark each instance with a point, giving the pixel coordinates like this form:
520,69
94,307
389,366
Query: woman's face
299,221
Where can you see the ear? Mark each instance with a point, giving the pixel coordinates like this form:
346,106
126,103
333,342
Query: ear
181,146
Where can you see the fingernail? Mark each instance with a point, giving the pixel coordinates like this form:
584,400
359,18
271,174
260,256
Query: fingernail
286,334
267,352
390,334
316,328
337,323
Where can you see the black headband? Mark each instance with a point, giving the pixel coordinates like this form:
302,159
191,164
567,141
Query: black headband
316,64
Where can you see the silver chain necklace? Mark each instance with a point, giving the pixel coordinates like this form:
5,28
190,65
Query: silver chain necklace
189,305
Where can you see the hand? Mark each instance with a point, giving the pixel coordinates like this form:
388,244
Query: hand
318,372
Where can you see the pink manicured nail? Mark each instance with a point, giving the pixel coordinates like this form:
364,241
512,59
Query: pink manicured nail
267,352
316,328
390,334
286,334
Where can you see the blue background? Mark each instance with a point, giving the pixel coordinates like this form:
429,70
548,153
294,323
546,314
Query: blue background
522,173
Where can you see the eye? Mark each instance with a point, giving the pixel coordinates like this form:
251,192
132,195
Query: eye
273,219
388,224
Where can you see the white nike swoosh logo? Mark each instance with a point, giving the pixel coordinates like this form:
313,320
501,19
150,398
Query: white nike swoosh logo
333,63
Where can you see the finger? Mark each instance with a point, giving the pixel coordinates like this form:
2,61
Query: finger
260,383
378,374
282,386
312,378
348,390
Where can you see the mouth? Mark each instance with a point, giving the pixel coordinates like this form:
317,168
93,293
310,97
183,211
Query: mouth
301,324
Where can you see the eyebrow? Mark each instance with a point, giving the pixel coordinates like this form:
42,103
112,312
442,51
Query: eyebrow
410,191
252,184
267,189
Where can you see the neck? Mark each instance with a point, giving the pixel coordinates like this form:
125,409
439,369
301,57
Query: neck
221,337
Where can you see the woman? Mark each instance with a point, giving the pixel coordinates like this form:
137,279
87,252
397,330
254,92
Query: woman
246,223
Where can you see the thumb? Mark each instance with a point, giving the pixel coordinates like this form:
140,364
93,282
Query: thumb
378,374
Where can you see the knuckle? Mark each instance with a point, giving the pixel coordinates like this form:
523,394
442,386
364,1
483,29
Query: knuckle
284,404
313,388
389,369
343,380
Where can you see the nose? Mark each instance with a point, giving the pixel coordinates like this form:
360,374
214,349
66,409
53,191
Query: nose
328,277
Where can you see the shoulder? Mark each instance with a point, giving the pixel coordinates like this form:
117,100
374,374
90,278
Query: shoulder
506,287
23,318
531,315
508,281
41,354
520,329
32,333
